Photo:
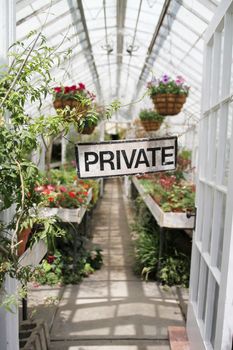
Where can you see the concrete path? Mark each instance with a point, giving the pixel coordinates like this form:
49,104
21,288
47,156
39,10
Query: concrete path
113,309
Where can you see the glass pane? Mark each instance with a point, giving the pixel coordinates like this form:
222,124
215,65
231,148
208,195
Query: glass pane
195,286
221,231
203,279
214,318
228,144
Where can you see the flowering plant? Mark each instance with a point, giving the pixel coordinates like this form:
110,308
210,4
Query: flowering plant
168,85
62,197
75,92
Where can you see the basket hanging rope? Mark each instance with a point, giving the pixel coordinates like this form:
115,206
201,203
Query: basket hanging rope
168,104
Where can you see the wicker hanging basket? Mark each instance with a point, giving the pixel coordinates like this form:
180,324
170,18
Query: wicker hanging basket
168,104
151,125
87,130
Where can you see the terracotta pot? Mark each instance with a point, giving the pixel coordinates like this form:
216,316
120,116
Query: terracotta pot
151,125
168,104
23,236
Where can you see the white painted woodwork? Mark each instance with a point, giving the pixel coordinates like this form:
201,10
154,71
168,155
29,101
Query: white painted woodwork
210,310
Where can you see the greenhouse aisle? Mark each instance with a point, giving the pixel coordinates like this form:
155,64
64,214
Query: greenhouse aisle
113,309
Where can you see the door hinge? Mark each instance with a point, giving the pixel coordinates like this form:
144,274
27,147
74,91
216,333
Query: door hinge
190,213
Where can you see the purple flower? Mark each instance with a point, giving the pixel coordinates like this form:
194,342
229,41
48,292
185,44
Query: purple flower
165,79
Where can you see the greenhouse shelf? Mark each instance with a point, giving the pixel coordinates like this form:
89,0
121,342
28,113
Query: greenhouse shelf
33,256
68,215
164,219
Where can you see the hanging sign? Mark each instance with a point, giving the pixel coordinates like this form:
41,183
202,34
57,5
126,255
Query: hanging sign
127,157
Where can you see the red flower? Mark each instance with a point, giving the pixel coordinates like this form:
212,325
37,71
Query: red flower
73,88
85,193
72,194
51,199
66,90
81,86
57,89
62,189
51,259
80,200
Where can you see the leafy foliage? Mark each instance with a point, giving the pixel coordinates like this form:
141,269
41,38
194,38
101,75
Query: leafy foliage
149,114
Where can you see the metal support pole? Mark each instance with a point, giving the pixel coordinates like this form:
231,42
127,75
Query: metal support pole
25,308
162,233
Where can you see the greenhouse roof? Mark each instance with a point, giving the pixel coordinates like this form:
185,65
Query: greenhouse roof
118,45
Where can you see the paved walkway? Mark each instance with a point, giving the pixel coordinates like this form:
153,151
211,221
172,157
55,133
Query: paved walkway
113,309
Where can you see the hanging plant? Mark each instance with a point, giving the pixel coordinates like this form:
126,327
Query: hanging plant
77,105
150,120
168,94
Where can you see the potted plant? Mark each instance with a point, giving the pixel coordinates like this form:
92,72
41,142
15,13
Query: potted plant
73,96
150,120
184,159
168,94
80,106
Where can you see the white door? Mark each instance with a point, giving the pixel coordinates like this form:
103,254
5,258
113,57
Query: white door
210,311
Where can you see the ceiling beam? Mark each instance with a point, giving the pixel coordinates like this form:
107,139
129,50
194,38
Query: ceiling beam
121,11
36,12
88,49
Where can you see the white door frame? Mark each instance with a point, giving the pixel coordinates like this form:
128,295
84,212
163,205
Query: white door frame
210,311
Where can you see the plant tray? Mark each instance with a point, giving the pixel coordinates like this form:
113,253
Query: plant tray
164,219
67,215
168,104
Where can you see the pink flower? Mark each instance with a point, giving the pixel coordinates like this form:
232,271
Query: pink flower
62,189
39,188
51,187
179,80
46,191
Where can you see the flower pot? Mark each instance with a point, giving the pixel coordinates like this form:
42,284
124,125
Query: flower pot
168,104
23,236
151,125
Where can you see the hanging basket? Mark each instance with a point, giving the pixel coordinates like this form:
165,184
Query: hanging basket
62,103
151,125
88,130
58,104
168,104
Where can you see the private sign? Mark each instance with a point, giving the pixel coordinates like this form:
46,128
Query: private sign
128,157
